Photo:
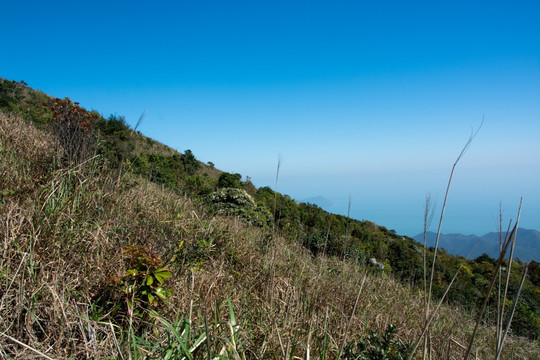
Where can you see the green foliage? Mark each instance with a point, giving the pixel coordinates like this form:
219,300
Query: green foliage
525,321
316,243
237,202
191,165
4,194
115,126
179,342
161,169
199,185
18,98
11,93
114,136
376,346
174,171
143,281
405,259
355,254
228,180
139,289
194,252
534,273
320,231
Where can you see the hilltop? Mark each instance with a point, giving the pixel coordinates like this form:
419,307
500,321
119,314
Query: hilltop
117,246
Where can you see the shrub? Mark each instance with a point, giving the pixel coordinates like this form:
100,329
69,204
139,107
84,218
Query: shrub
376,346
161,169
228,180
238,202
72,127
191,165
140,288
10,94
144,276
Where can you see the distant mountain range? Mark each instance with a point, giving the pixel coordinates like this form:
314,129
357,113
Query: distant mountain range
527,244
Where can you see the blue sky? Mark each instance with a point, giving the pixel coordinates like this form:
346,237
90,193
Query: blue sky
371,100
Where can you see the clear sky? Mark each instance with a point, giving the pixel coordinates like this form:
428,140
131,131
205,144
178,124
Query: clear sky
367,99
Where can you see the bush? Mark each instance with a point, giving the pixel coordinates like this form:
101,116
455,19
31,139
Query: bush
73,128
161,169
376,346
191,165
144,277
140,288
238,202
405,261
228,180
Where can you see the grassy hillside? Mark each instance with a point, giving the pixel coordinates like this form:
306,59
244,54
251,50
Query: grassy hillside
116,246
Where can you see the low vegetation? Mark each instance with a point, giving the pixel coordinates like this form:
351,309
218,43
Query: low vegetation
115,246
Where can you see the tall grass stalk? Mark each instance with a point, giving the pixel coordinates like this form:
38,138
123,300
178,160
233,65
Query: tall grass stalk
432,315
503,338
346,242
508,272
463,150
509,239
428,218
499,284
351,317
275,195
117,346
273,245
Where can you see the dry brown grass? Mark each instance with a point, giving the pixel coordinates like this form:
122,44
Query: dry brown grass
63,233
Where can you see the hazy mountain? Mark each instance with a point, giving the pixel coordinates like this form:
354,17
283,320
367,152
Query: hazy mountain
527,244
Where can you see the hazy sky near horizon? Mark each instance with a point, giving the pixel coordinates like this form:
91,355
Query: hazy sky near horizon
367,100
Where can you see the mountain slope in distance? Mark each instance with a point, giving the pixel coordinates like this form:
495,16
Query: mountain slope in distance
527,244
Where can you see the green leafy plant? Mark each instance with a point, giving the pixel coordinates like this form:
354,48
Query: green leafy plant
194,254
5,194
139,289
377,346
144,278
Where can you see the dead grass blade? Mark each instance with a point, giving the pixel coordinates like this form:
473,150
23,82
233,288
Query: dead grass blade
26,346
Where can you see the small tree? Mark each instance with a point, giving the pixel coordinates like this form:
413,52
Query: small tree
228,180
191,164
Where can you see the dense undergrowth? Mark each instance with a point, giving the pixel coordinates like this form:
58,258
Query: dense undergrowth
124,248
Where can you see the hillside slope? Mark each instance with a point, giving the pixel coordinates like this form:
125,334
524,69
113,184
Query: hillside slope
115,257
